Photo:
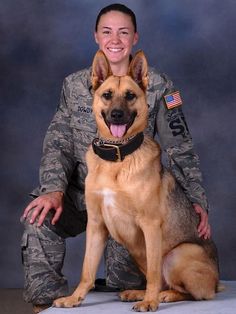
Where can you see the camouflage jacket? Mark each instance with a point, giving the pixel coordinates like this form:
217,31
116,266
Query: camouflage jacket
73,128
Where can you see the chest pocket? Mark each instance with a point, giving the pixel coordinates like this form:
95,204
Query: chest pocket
82,116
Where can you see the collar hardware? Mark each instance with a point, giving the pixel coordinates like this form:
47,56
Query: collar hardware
116,152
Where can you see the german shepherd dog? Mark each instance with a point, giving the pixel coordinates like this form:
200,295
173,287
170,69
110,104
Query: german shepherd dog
130,196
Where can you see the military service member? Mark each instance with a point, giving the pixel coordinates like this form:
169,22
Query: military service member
58,209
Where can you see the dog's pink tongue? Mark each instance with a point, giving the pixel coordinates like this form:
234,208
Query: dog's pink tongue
118,130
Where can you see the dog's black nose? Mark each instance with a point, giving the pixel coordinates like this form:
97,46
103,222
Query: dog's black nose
117,114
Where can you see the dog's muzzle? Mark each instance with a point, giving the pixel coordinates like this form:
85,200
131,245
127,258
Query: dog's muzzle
119,122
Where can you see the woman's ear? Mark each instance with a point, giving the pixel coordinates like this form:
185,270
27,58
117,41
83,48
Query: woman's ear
96,37
136,38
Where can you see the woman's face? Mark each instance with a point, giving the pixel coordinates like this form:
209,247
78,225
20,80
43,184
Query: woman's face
115,36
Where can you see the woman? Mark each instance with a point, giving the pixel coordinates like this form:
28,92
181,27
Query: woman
58,207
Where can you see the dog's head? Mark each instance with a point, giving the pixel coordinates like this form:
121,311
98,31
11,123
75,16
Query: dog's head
119,104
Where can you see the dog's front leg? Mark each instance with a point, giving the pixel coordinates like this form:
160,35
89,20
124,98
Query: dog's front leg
153,241
96,235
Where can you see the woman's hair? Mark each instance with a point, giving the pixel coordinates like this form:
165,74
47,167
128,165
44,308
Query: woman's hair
120,8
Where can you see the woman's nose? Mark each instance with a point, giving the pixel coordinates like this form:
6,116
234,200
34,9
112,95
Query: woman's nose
115,37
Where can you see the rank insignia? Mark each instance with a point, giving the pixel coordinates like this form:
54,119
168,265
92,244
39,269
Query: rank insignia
173,100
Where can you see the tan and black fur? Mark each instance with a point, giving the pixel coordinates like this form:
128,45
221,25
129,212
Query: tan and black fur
140,204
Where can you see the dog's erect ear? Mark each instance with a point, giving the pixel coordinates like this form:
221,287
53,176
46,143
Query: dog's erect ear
138,69
100,69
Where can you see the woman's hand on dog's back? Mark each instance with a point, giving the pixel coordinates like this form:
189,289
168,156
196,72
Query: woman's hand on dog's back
42,205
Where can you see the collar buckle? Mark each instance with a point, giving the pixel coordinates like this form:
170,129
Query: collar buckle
118,153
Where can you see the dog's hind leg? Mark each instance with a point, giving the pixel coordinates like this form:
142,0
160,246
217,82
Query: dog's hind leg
201,283
190,273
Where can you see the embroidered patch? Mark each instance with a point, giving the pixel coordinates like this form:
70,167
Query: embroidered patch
173,100
177,123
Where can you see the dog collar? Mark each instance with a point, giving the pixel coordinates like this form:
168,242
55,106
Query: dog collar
116,152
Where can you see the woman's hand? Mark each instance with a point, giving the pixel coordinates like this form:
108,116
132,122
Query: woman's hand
40,207
204,229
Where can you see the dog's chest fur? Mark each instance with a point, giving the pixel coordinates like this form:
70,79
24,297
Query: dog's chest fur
119,219
122,190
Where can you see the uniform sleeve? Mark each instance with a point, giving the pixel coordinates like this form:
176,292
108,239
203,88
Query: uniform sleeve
58,162
176,141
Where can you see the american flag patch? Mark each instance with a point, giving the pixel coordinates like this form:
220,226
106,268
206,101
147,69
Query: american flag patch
173,100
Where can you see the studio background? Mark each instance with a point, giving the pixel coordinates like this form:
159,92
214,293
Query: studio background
44,41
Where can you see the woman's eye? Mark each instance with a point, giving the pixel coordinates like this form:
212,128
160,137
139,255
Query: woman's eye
124,32
129,96
107,95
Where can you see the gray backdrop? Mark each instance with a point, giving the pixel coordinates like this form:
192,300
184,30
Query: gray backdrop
43,41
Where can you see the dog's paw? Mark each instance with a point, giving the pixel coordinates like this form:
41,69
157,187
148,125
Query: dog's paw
167,296
146,306
70,301
132,295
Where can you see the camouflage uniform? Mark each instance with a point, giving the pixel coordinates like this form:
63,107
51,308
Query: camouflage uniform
63,169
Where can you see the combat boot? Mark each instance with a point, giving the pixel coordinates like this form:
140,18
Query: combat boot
37,308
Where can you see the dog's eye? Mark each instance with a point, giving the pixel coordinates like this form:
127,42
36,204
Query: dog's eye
129,96
107,95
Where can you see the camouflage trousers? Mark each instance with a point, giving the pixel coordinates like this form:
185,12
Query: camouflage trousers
43,252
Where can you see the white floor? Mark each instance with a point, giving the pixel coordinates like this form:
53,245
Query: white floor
108,302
